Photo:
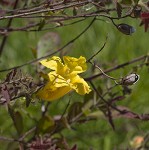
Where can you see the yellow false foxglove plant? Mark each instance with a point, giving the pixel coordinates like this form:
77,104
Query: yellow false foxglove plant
64,77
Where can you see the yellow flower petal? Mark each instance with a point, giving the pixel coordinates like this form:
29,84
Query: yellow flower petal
55,88
50,94
80,85
77,65
57,80
54,63
64,77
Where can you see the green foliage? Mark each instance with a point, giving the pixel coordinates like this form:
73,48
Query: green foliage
45,125
75,122
17,120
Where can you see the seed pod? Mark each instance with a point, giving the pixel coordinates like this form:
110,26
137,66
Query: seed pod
130,79
126,29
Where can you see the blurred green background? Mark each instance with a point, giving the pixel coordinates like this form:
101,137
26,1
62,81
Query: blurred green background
120,48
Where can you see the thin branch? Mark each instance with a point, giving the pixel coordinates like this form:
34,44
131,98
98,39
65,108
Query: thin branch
106,102
59,50
61,117
27,133
65,109
41,6
75,119
27,28
8,25
42,11
96,66
7,139
118,67
19,10
50,8
65,18
98,50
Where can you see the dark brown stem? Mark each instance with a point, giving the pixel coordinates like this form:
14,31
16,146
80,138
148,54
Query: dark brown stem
42,11
117,67
27,28
8,25
27,133
59,50
106,102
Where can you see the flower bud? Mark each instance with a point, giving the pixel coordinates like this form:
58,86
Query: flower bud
126,29
130,79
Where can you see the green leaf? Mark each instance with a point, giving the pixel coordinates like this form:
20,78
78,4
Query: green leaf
45,125
89,96
86,108
18,122
41,25
63,123
96,114
17,119
129,2
74,110
136,1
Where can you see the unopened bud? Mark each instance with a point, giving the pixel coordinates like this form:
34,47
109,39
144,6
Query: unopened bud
130,79
126,29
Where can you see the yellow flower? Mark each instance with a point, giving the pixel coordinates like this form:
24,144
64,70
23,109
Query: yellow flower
64,77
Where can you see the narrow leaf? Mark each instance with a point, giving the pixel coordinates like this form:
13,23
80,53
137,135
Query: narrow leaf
41,25
17,119
45,124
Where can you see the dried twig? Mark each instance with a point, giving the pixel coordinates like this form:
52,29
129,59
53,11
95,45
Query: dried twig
59,50
8,25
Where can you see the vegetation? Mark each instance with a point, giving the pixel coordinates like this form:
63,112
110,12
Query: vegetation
74,74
